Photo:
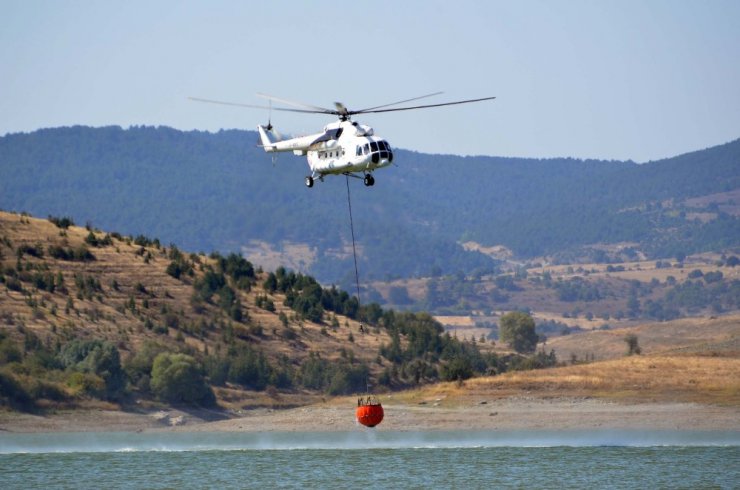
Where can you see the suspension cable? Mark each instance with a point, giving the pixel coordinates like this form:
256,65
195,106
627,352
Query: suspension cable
354,250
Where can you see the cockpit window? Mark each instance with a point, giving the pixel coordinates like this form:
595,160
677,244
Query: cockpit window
373,146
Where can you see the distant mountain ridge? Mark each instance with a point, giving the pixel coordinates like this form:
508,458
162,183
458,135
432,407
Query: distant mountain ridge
219,191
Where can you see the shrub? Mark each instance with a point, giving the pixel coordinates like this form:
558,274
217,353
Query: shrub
38,388
458,368
13,284
86,384
63,223
632,345
237,268
335,378
251,369
99,358
714,276
216,369
177,378
175,269
695,274
12,392
92,240
209,284
347,379
314,372
79,254
9,352
32,250
139,367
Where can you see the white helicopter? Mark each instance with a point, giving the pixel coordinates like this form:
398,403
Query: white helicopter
344,147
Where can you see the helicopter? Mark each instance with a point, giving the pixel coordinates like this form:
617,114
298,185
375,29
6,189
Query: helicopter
344,147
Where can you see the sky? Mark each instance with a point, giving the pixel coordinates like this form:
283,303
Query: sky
616,80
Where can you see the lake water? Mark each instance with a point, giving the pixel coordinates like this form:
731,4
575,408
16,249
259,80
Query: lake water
380,459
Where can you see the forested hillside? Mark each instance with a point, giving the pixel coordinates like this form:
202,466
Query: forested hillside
219,191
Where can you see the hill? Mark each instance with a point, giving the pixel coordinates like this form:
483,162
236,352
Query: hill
87,315
100,320
567,299
219,192
718,337
641,379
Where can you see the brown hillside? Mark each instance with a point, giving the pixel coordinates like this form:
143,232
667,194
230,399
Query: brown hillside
470,305
138,301
707,336
638,379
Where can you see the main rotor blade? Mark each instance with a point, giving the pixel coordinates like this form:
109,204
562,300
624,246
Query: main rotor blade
251,106
399,102
422,106
296,104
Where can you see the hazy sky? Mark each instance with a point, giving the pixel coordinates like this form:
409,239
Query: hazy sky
622,79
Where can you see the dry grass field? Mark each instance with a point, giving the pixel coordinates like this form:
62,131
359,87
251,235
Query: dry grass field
711,336
694,360
635,379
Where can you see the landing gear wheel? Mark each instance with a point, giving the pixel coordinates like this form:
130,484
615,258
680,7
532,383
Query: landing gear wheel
309,181
369,180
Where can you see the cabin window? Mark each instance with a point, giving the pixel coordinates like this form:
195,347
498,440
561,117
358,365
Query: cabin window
358,151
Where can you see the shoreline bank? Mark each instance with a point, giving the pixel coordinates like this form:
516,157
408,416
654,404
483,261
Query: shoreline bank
515,413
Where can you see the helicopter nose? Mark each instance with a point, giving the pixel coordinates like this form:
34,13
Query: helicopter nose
382,159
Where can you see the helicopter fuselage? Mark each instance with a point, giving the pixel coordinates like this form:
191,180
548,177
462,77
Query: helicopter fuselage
344,147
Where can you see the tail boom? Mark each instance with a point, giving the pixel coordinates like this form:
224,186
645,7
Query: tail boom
298,146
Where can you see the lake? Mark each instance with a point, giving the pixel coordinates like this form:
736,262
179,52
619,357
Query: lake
438,459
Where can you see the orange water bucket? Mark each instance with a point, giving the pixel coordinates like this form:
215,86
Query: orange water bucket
369,412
